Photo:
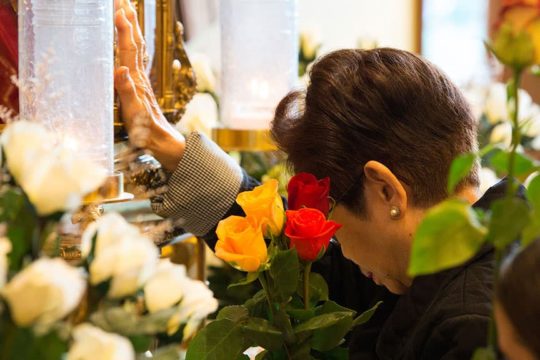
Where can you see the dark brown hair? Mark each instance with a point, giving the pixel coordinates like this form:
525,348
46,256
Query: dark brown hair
386,105
518,292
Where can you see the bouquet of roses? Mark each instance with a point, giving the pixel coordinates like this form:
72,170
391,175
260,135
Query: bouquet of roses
291,316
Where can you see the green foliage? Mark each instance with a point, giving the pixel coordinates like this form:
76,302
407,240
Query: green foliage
219,340
260,332
460,168
250,278
366,315
234,313
318,289
532,230
285,271
523,166
22,343
449,235
484,354
508,219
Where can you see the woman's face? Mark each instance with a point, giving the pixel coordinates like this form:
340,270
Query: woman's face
372,246
509,341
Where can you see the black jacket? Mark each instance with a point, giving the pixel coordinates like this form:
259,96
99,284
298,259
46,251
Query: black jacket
442,316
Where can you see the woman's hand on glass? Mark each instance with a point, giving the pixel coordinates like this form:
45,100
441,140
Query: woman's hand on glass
144,121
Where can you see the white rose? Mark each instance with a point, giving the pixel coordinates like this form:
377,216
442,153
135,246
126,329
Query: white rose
122,254
531,126
201,115
206,81
44,292
197,303
501,134
5,248
496,104
50,172
309,43
93,343
488,178
166,287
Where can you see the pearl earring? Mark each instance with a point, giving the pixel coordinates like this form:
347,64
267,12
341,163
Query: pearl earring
395,212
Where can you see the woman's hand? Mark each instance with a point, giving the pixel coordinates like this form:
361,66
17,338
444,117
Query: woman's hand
140,111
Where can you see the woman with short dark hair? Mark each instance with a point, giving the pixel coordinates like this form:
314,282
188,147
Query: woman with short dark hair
517,306
384,126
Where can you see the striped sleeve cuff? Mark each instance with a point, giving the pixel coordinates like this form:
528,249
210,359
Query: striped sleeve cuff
203,187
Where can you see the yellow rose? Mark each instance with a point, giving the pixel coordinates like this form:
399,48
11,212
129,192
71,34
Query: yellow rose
523,16
264,204
241,243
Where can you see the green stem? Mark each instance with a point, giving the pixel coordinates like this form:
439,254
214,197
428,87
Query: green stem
516,134
307,271
510,189
264,284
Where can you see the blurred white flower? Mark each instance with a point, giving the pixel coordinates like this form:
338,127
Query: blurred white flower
496,105
488,178
92,343
309,43
49,171
44,292
197,303
535,144
122,254
476,97
501,134
166,287
206,81
531,126
5,248
201,115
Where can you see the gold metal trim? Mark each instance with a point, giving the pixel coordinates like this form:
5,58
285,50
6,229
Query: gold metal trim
112,190
243,140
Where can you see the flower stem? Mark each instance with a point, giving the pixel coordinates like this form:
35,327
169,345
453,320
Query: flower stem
307,271
264,284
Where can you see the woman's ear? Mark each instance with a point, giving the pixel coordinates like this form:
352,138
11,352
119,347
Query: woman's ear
384,185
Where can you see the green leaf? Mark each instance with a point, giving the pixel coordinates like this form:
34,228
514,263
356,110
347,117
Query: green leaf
21,343
263,334
127,322
523,165
251,277
533,192
448,236
460,168
318,288
234,313
141,343
262,355
330,306
532,230
301,314
508,218
219,340
328,329
484,354
366,315
285,271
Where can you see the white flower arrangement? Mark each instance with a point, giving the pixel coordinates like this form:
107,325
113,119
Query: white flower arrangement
120,289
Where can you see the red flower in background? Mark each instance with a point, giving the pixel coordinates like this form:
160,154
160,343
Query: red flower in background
304,190
309,232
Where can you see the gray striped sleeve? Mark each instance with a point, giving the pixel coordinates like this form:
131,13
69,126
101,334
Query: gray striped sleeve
202,188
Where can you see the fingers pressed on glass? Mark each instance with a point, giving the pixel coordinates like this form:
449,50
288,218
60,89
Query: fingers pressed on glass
127,48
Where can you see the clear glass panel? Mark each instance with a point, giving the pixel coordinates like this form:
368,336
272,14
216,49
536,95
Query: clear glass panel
66,71
259,48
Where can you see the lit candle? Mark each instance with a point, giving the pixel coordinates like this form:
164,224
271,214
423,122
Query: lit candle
259,42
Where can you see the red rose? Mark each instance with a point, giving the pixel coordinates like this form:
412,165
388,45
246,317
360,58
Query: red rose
306,191
309,232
